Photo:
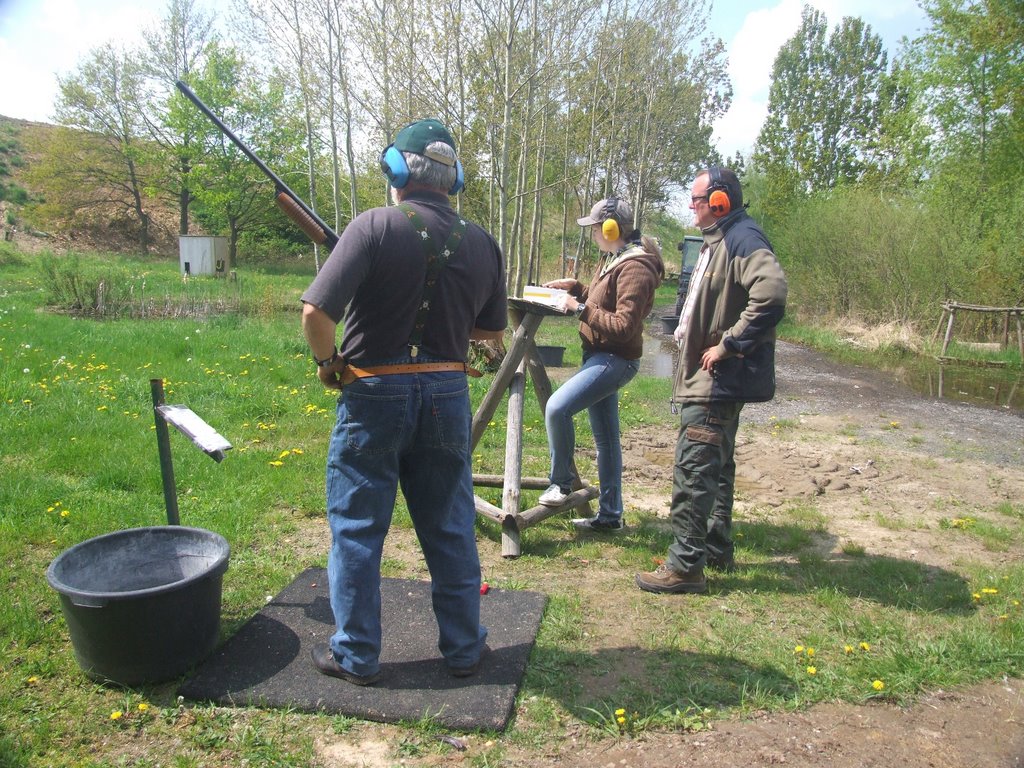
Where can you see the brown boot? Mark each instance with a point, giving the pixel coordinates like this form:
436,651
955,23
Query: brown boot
667,580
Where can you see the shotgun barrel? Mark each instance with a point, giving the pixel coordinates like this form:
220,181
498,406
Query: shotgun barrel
292,205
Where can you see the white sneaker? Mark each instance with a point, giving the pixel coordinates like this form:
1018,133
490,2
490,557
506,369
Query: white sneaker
553,496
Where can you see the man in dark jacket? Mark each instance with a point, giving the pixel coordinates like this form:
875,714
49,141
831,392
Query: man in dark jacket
726,337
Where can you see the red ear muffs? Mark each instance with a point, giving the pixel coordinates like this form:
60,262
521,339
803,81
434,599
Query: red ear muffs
718,197
719,203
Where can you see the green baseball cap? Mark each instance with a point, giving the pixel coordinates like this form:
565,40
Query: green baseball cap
416,136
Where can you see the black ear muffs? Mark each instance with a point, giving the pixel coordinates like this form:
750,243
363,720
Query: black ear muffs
393,165
610,227
718,194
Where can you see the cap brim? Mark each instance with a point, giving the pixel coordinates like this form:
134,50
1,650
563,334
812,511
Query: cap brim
586,221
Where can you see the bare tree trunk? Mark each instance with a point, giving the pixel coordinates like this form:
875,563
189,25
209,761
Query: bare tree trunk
307,109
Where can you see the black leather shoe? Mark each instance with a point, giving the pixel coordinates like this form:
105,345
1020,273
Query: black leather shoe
473,668
323,660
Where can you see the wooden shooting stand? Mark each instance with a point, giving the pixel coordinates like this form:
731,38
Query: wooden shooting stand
949,310
521,356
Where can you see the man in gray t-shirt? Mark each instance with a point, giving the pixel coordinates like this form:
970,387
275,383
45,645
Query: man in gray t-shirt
404,416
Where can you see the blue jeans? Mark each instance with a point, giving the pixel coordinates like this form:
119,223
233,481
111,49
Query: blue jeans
595,386
704,480
413,430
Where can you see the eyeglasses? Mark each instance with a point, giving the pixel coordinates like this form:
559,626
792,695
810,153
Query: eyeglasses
695,198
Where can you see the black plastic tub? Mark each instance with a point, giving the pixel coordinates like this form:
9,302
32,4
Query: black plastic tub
142,605
551,356
669,323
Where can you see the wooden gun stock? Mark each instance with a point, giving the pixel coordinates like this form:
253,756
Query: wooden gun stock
296,210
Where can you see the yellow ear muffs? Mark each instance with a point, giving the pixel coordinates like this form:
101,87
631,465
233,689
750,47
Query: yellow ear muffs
610,230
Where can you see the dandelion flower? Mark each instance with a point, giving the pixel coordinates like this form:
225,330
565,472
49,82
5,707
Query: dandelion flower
989,591
116,714
143,707
620,712
283,454
810,651
276,463
620,720
865,646
812,670
33,680
878,685
847,649
975,596
798,649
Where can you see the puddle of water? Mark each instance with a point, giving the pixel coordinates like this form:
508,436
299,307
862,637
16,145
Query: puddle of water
989,387
659,357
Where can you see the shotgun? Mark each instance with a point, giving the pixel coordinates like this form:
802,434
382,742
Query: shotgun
296,210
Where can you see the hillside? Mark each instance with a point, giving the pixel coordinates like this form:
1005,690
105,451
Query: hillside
34,222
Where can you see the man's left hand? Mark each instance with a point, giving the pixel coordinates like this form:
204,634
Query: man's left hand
330,375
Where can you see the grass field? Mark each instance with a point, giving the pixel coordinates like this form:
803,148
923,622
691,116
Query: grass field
78,458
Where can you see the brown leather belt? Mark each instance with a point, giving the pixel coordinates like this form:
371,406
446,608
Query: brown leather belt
351,373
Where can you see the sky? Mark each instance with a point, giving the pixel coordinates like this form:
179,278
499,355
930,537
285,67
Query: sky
40,39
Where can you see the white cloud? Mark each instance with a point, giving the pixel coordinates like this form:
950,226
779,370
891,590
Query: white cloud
753,48
751,55
39,40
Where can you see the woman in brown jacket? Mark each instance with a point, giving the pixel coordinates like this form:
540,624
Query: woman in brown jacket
612,311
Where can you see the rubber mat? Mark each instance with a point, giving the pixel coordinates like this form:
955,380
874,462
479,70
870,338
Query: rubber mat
266,663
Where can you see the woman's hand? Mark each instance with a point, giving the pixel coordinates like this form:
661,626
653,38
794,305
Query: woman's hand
566,303
565,284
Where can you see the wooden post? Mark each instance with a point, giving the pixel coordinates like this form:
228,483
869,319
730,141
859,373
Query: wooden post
949,329
1020,335
516,351
938,328
510,544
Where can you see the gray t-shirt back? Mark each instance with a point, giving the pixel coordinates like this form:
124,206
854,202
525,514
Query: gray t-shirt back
378,267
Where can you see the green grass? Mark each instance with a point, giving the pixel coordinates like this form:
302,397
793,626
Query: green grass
78,458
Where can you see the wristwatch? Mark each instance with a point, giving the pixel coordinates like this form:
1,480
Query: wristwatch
326,361
579,310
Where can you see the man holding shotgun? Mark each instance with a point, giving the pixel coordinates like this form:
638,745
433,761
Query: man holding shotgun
414,282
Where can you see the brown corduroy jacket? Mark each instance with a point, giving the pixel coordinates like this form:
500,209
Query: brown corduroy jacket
618,300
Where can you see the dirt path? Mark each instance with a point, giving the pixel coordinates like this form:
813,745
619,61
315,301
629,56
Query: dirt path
888,469
885,466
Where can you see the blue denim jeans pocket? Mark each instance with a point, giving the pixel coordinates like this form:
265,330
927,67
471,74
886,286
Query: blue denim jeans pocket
374,418
448,408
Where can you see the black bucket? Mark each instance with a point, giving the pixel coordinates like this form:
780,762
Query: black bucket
669,323
142,605
551,356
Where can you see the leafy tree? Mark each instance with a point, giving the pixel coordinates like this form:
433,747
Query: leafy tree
104,100
828,96
970,66
233,195
174,49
